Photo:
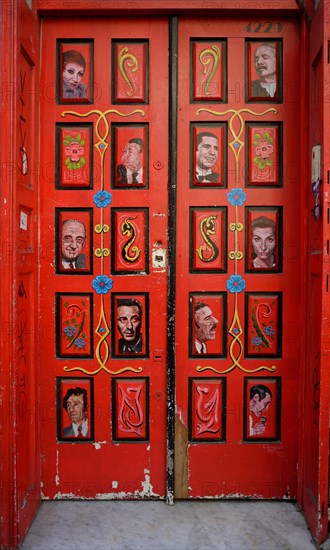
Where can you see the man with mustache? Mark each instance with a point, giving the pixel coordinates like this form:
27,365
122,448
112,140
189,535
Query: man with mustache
207,152
265,64
129,319
205,326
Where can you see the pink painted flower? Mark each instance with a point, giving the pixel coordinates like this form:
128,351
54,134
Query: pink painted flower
264,149
74,151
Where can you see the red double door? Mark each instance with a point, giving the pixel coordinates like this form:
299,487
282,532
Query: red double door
169,258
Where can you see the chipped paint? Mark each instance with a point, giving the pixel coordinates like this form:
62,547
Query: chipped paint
97,444
57,476
115,484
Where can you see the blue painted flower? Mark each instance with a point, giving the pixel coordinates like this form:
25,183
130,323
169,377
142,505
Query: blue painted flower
269,330
80,343
235,331
235,284
236,197
102,199
70,331
256,341
102,284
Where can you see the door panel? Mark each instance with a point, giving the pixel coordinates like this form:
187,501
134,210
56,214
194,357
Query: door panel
104,267
237,309
103,262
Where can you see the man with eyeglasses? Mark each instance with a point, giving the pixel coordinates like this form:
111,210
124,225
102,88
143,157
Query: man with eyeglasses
73,242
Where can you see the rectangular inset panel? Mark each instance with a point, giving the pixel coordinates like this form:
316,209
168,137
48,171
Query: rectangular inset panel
130,409
207,324
263,319
130,153
208,70
262,409
264,154
74,156
263,71
130,324
130,242
207,409
73,240
74,71
263,239
208,239
208,157
74,328
75,409
130,62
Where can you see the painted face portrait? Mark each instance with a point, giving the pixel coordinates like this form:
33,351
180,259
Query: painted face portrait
132,157
206,324
73,74
207,152
265,63
263,243
129,322
74,65
73,240
75,408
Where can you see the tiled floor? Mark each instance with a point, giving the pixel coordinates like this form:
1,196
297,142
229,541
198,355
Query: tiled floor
153,524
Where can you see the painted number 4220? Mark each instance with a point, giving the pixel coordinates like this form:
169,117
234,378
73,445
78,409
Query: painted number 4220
265,26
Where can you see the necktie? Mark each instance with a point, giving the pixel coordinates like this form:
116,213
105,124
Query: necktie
71,265
80,431
134,176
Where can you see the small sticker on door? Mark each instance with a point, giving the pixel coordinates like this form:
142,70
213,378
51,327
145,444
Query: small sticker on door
159,258
23,222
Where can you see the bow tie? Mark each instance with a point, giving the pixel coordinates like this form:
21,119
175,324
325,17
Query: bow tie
213,177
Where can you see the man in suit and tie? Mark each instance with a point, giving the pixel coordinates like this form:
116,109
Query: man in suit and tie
207,152
205,326
75,404
131,170
73,242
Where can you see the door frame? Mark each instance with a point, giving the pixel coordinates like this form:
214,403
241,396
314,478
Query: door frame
22,15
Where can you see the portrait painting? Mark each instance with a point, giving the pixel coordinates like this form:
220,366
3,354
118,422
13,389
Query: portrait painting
130,325
264,239
73,237
208,165
262,409
75,71
130,156
75,409
207,324
264,71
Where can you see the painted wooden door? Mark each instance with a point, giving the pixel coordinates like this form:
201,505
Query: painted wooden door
105,171
104,174
238,320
